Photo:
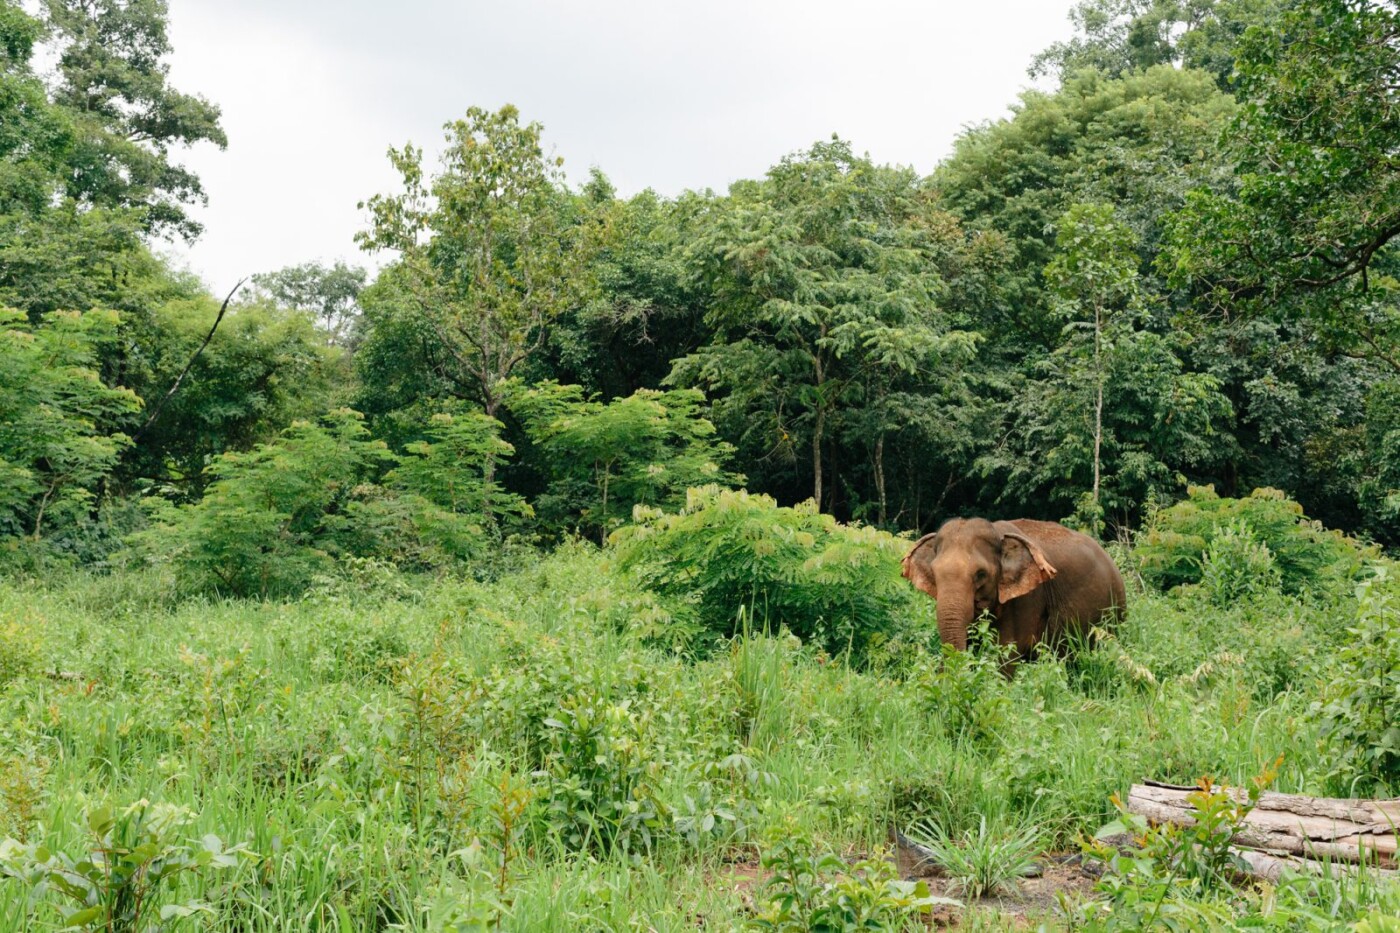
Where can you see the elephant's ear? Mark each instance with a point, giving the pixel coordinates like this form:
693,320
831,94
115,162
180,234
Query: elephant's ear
1023,567
916,567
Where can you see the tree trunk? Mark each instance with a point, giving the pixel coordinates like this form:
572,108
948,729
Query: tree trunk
491,403
1291,826
603,533
1098,405
818,430
44,505
880,476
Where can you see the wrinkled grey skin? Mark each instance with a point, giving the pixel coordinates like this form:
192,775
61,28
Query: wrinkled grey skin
1039,580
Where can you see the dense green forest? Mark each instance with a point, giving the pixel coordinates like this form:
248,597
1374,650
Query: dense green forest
560,557
1191,235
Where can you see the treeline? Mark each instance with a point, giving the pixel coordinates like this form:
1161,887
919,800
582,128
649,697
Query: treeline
1177,267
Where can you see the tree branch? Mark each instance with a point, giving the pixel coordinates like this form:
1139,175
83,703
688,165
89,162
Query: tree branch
175,386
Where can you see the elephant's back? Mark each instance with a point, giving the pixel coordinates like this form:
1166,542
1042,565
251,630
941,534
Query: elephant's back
1052,534
1087,579
1070,546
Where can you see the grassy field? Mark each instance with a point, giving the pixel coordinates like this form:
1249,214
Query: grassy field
530,753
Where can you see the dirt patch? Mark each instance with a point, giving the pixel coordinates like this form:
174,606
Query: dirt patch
1032,898
741,878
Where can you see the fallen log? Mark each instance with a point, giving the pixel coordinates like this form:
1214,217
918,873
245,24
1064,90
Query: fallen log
1256,864
1290,826
1273,867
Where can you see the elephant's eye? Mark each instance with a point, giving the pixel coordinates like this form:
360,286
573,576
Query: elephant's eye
981,576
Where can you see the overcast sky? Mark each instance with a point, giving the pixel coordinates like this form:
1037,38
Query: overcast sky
658,94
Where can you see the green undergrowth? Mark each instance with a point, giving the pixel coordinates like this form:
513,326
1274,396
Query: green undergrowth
532,753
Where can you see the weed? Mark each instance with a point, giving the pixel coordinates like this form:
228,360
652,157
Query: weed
1360,711
22,781
1176,871
981,862
1237,565
602,777
131,863
966,691
810,893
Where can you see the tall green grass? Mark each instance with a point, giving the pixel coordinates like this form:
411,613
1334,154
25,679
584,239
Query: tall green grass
357,740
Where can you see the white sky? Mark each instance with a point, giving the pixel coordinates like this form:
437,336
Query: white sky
657,93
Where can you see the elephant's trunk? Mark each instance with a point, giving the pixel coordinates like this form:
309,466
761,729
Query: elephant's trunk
954,619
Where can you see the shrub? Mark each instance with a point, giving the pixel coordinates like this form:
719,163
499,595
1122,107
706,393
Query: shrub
1237,565
1360,712
808,893
965,691
1174,546
604,459
834,585
353,646
281,517
721,805
130,865
19,652
272,519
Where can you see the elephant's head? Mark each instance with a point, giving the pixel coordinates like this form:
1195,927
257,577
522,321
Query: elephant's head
970,565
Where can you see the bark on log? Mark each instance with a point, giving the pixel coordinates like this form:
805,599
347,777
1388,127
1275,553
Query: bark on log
1273,867
1269,866
1291,825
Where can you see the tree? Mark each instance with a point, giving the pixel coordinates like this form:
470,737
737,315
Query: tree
487,256
1112,408
67,258
263,369
112,85
1317,206
329,294
456,506
1117,37
56,443
1095,275
822,276
604,459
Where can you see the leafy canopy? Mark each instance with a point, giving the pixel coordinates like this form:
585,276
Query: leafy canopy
56,439
487,255
1118,37
112,85
605,459
1318,199
278,515
825,276
329,293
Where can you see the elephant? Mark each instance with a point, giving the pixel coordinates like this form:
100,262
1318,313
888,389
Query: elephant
1039,580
